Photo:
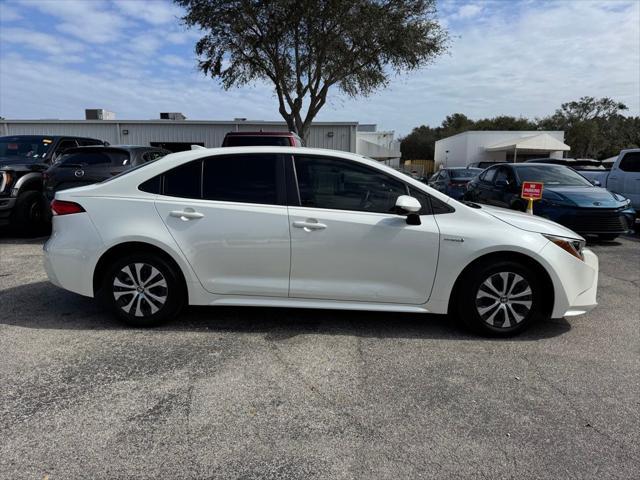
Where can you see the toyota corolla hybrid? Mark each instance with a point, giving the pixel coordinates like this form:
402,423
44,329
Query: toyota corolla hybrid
298,227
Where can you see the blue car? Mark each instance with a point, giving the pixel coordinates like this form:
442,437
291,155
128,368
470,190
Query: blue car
453,181
567,197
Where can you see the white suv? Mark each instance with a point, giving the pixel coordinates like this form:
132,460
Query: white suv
299,227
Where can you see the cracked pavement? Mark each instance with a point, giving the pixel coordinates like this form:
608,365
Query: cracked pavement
251,393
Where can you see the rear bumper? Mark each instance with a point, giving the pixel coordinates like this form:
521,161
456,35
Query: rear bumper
68,257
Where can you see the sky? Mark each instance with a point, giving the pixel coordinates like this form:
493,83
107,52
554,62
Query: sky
133,57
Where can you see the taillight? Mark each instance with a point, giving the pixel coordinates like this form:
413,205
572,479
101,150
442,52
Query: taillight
60,207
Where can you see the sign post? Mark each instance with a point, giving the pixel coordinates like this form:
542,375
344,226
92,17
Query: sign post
531,191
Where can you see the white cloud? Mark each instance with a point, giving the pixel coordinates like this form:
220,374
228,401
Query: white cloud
89,21
177,61
8,13
156,12
469,11
42,42
145,44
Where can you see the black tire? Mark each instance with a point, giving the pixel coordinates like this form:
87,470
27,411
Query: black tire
483,311
140,307
29,215
607,238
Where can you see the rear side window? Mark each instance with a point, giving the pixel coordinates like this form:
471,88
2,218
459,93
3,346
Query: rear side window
152,155
184,181
241,178
343,185
630,162
256,140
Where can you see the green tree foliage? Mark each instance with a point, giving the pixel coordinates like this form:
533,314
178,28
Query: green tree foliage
594,128
304,48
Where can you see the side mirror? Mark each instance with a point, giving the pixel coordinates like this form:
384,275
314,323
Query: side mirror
409,206
596,183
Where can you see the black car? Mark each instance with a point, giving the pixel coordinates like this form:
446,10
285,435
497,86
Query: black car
87,165
23,159
453,181
567,197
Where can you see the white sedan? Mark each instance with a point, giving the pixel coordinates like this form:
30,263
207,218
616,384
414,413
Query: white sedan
298,227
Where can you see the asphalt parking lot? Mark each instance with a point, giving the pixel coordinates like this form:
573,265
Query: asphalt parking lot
300,394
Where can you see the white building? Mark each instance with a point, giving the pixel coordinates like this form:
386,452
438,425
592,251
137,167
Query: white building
381,146
498,146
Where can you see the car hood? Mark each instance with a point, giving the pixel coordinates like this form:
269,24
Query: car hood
17,162
530,223
586,197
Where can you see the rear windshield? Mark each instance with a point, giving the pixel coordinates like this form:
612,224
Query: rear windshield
465,172
256,141
551,175
115,158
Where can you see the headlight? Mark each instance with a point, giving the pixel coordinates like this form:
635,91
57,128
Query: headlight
5,180
572,246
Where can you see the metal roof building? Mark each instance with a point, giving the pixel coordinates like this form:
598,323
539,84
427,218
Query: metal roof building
179,134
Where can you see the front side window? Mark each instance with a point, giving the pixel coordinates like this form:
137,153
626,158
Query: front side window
630,162
344,185
504,174
488,175
241,178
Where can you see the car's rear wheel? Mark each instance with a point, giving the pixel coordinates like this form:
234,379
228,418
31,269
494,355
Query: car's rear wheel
143,290
500,299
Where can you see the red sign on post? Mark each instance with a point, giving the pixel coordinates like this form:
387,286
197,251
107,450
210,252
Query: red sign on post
531,190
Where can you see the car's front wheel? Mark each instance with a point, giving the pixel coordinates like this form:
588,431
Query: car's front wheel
500,298
144,290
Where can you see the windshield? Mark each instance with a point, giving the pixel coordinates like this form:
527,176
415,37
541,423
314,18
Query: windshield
465,172
20,148
551,175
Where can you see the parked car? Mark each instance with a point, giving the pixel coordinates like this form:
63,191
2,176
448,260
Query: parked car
567,198
23,158
482,165
86,165
310,228
623,178
453,181
252,139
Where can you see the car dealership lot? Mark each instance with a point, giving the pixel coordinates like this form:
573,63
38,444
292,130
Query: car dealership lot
274,393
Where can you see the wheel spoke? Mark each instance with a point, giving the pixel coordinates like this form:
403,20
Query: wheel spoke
152,306
127,307
517,316
127,271
159,283
505,282
138,312
117,295
521,294
118,283
158,299
491,318
489,284
154,273
484,310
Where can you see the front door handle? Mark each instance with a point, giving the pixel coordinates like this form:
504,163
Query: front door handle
186,214
309,225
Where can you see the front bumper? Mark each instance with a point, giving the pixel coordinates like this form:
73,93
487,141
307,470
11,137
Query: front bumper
592,221
575,282
6,207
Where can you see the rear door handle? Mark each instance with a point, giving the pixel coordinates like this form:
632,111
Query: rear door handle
186,214
309,225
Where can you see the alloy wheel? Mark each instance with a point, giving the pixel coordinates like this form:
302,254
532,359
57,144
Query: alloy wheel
504,299
140,289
